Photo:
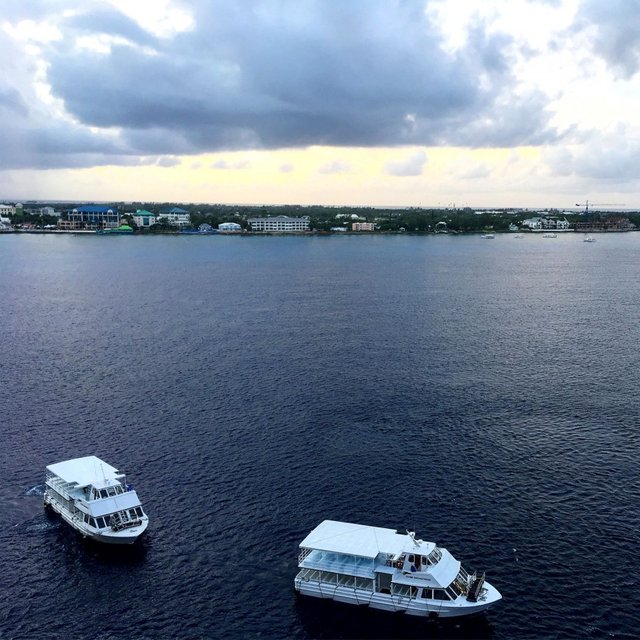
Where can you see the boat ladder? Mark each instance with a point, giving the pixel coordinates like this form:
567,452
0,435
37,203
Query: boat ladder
475,590
121,520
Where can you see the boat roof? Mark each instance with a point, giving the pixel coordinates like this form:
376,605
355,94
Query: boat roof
86,471
362,540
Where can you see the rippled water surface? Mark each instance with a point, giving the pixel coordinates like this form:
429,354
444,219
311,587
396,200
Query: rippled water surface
483,393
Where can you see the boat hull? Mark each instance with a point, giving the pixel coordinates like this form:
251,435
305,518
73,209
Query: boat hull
398,604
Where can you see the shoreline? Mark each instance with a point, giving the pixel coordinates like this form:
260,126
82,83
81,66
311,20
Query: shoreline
91,232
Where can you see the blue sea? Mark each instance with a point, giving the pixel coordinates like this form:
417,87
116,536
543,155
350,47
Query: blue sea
483,393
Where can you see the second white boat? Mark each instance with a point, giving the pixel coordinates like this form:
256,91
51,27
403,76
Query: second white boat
386,570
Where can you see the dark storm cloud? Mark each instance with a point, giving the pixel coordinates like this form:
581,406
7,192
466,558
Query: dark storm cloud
615,25
289,74
57,146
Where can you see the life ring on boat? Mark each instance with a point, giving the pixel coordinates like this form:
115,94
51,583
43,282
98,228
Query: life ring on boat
399,564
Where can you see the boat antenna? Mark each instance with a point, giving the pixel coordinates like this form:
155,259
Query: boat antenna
412,535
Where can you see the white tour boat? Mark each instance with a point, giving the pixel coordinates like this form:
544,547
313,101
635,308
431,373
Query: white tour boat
95,499
488,236
386,570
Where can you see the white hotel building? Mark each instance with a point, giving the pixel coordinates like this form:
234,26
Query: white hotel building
279,224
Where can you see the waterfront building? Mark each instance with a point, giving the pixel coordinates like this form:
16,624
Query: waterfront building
41,211
91,217
363,226
144,219
546,222
229,227
7,210
279,224
532,223
175,216
609,223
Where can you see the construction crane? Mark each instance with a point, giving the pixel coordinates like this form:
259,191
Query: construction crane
598,204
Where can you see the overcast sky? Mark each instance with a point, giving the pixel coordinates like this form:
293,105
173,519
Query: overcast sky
362,102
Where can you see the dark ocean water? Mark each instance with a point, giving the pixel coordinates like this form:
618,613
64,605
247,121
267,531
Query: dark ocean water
484,393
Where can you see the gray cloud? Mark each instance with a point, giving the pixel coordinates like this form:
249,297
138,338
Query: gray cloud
335,167
615,161
287,75
234,166
110,22
412,166
615,29
167,161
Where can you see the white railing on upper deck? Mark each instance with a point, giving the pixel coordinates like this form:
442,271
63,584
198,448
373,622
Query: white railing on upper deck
338,563
303,554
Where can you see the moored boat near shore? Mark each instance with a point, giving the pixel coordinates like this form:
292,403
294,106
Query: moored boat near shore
383,569
94,498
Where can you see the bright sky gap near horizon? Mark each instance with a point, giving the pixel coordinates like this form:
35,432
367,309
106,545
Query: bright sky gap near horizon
475,103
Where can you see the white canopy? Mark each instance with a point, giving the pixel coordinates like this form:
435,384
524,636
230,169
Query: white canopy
361,540
84,471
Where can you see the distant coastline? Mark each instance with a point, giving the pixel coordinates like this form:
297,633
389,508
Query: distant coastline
171,219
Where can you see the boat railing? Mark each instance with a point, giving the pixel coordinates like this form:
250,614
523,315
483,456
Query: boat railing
121,520
338,563
303,554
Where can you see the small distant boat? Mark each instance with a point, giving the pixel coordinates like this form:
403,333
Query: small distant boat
94,498
589,239
518,236
549,235
488,236
383,569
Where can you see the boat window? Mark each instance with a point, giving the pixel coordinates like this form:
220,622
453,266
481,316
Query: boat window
440,594
139,511
107,520
103,493
86,518
400,589
111,491
424,561
92,522
427,593
411,558
101,523
435,556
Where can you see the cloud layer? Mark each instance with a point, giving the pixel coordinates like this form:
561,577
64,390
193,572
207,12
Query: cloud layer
266,75
107,82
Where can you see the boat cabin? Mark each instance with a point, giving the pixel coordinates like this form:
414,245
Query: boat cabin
380,560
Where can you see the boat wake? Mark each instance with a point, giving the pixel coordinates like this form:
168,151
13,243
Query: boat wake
38,490
37,525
